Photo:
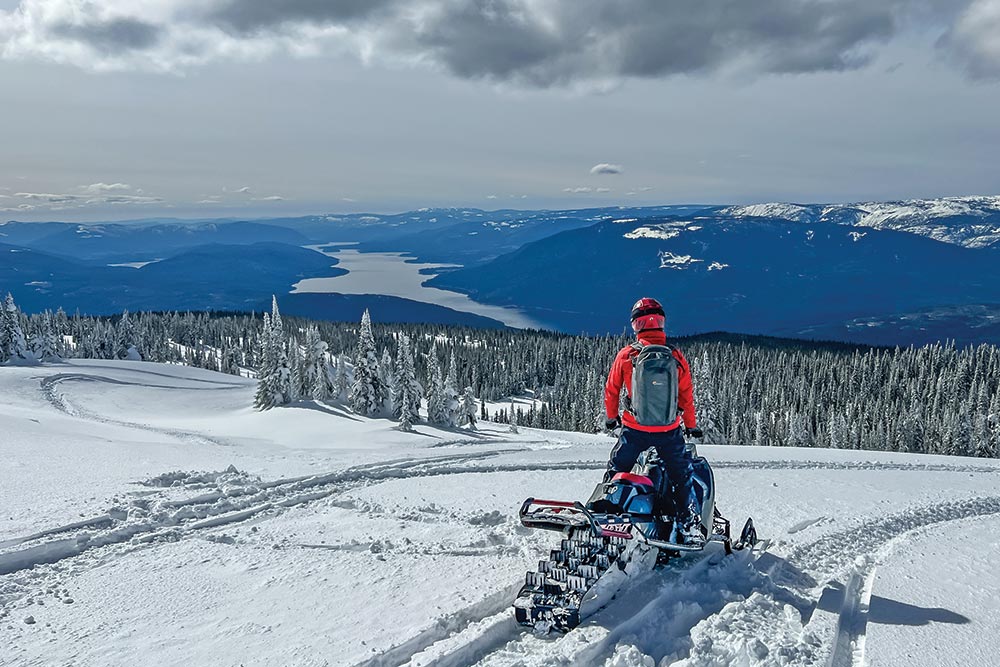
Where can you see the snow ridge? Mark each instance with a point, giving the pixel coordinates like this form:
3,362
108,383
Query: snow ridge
973,222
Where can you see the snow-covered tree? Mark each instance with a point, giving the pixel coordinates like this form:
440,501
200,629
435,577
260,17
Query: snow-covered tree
232,359
469,408
762,434
268,392
315,368
274,376
341,381
387,375
367,392
283,369
512,425
454,411
408,390
126,339
296,373
838,432
13,346
798,431
44,346
437,406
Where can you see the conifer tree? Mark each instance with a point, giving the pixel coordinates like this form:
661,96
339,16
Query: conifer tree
126,340
437,408
367,392
454,412
316,376
387,375
267,395
408,390
13,346
342,381
469,408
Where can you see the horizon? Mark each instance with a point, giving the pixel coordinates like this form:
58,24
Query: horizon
165,219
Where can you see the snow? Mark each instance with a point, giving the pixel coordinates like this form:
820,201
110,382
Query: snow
134,265
151,517
652,233
925,217
794,212
940,622
669,260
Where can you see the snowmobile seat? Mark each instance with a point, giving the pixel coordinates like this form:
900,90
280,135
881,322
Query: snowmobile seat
632,478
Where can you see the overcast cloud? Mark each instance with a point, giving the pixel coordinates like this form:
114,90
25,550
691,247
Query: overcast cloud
259,107
535,43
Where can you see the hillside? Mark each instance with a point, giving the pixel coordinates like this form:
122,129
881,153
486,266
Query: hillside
212,276
973,222
753,275
152,517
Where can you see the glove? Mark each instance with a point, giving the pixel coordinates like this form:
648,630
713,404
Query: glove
612,424
694,433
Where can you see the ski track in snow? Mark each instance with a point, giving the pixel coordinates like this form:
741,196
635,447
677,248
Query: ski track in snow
51,391
752,608
755,608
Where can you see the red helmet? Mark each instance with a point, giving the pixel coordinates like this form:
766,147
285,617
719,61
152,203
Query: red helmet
647,314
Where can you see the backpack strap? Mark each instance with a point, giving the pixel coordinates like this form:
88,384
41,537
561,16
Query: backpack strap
638,347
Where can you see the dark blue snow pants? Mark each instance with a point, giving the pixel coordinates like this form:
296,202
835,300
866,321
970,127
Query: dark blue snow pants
676,461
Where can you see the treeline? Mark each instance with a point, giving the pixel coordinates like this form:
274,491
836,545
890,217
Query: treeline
934,399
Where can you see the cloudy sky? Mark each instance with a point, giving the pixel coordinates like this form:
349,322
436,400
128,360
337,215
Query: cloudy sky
118,109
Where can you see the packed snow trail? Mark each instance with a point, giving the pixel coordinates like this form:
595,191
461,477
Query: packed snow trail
121,549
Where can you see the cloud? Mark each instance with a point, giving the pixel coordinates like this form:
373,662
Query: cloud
974,39
48,197
125,199
245,190
253,16
491,196
54,201
99,188
111,36
577,191
602,190
531,43
605,168
271,198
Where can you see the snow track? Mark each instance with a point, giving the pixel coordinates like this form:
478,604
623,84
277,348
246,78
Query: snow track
750,608
424,524
803,613
51,390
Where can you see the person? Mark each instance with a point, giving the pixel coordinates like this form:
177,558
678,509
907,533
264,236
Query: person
664,434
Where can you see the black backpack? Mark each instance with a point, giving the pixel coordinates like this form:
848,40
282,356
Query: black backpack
655,379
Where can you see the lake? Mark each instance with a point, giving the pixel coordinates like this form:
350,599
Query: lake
391,273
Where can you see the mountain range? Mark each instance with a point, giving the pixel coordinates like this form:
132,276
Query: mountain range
881,272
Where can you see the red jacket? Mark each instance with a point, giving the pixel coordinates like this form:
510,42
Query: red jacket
621,376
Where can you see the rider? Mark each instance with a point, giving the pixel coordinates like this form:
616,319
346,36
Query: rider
648,321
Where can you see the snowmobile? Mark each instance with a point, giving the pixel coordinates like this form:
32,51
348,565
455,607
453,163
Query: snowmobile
619,534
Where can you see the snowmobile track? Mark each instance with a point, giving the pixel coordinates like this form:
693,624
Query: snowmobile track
50,391
238,499
849,555
659,618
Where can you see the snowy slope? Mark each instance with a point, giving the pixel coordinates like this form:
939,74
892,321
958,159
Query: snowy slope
151,518
973,222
